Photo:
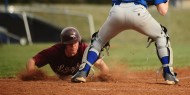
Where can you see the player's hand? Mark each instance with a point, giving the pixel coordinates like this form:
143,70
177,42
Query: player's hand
33,75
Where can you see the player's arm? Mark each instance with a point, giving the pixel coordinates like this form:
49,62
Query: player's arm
163,8
100,64
41,58
30,66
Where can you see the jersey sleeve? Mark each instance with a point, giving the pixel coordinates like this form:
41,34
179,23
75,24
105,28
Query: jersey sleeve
85,45
82,47
156,2
45,56
40,59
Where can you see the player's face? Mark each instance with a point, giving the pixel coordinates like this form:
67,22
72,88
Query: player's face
71,49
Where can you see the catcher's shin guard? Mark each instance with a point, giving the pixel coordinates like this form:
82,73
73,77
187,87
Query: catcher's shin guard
165,54
90,56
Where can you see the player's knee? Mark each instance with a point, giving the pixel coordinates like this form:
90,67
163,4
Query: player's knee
161,42
100,64
163,39
96,42
97,45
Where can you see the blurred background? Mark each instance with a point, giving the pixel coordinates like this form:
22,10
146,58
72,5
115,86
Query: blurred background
28,26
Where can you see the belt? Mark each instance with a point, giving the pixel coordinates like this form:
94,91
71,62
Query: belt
118,3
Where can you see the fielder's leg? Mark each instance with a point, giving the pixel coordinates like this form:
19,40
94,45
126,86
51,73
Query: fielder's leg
147,25
165,54
90,56
111,27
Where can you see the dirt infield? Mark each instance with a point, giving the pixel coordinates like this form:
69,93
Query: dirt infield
130,83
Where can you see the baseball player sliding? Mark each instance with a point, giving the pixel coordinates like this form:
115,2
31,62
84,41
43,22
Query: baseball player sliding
125,15
65,57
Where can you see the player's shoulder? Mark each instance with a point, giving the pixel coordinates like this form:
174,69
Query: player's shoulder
83,44
57,46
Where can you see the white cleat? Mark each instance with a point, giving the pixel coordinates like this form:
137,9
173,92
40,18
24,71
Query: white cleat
79,77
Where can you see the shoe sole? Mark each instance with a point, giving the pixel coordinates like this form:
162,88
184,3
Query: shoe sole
171,82
79,80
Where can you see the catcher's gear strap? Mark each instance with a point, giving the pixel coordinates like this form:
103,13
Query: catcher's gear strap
149,42
107,47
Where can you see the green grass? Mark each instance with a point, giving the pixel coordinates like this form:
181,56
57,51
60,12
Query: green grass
13,58
128,48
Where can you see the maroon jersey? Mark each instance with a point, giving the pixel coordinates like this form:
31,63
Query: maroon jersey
58,61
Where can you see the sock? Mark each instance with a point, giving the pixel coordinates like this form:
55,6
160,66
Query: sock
165,60
91,58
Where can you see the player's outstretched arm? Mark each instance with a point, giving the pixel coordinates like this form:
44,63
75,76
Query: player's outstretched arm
163,8
30,66
100,64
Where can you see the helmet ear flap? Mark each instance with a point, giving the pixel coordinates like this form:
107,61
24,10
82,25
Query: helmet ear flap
70,35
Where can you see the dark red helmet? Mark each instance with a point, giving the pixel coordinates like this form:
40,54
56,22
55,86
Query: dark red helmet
70,35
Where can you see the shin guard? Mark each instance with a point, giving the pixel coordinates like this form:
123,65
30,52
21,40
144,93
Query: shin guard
164,51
